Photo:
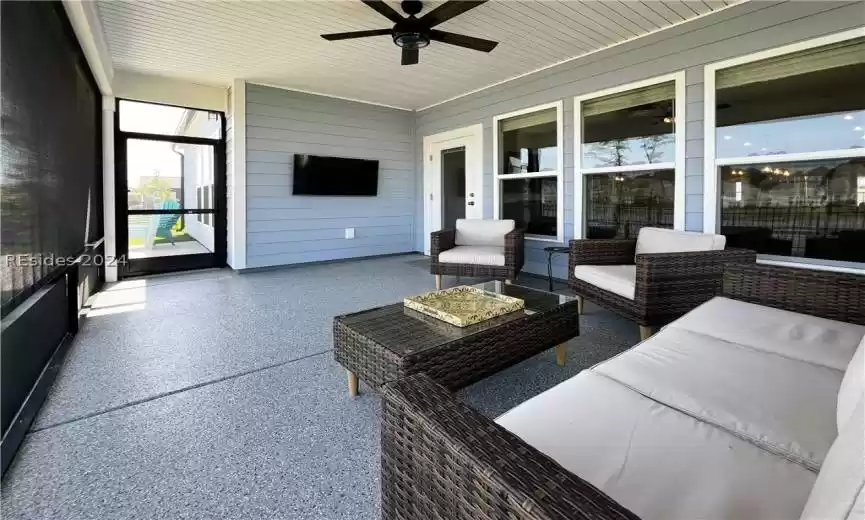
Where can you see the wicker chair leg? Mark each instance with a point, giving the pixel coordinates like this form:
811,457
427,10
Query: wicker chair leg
645,332
438,282
561,354
352,383
580,304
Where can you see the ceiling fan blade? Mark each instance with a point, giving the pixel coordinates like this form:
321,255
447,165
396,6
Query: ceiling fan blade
384,10
410,56
448,10
461,40
356,34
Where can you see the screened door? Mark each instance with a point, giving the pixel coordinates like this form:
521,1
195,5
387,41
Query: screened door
171,189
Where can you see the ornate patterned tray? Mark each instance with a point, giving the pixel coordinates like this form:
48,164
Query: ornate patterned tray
463,305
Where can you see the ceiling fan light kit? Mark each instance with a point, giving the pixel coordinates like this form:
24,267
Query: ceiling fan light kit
412,34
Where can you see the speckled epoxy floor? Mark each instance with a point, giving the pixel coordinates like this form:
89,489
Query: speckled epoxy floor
215,395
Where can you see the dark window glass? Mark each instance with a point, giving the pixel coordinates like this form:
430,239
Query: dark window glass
809,101
532,203
813,209
633,127
529,143
618,205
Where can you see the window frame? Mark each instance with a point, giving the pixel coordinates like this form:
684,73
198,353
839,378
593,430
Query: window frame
558,173
712,164
677,165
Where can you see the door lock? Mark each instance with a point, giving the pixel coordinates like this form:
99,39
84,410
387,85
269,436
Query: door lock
471,194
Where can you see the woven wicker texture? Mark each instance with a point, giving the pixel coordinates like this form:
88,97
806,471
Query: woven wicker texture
668,284
836,296
441,460
444,240
388,343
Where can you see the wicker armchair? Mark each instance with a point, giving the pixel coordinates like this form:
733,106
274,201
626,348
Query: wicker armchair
666,286
483,248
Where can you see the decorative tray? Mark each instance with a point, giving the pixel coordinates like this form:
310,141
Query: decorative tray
463,305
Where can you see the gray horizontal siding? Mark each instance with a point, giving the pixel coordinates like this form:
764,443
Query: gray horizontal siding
742,29
287,229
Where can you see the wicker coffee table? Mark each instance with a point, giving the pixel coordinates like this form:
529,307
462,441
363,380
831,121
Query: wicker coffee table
387,343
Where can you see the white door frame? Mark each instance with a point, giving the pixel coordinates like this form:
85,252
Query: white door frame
472,139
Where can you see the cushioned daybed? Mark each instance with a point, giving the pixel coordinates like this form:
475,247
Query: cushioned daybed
748,407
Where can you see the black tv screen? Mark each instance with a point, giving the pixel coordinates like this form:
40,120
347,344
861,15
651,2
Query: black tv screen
317,175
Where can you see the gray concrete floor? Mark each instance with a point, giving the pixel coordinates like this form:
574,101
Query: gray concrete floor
215,395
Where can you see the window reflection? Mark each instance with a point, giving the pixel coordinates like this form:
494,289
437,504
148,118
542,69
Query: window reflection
628,128
813,209
808,101
618,205
529,143
532,203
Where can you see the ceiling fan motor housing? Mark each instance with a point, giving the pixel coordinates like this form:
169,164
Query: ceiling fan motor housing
410,33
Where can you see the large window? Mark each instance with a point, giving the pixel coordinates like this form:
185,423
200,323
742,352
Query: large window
629,150
789,151
528,170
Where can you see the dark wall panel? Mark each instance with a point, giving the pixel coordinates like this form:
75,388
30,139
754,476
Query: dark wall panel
50,203
51,176
40,324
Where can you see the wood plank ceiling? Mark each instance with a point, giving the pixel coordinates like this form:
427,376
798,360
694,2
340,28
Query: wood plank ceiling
278,43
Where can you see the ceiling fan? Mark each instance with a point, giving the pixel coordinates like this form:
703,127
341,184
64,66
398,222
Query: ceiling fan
412,34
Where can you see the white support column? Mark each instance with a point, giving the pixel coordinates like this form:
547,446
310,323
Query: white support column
108,191
237,177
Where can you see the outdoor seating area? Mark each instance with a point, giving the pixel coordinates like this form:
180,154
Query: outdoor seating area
749,406
432,260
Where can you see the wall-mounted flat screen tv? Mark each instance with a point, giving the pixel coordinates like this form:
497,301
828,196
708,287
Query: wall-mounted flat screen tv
317,175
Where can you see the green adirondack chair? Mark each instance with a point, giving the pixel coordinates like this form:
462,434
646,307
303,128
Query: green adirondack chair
166,222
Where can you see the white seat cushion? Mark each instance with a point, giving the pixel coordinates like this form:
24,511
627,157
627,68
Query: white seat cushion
658,240
619,279
797,336
477,232
780,404
837,493
478,255
852,386
657,462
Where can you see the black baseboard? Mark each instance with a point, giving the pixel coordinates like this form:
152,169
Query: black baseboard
32,404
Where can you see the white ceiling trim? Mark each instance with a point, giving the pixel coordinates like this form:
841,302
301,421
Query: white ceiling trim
629,40
282,87
85,21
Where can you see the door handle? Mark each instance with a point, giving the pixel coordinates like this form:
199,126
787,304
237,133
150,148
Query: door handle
471,203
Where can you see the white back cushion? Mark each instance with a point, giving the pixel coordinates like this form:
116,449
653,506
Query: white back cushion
852,386
837,493
658,240
477,232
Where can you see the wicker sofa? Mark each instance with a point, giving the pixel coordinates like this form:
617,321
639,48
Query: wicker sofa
750,406
488,248
653,279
